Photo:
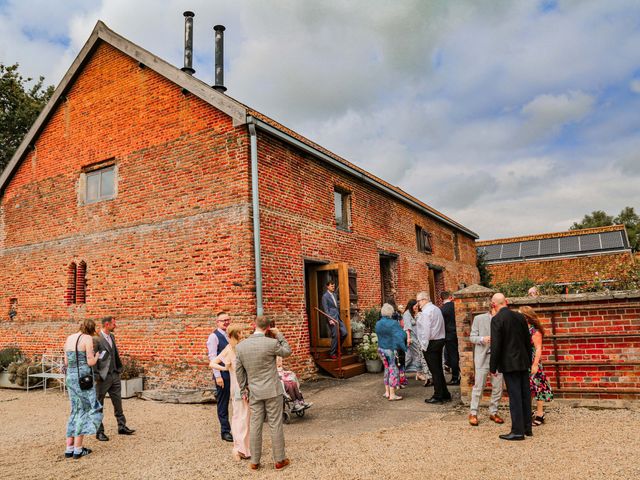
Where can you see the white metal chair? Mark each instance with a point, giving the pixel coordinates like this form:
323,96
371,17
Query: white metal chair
52,366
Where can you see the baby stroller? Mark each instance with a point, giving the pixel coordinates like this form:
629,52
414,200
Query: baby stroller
289,406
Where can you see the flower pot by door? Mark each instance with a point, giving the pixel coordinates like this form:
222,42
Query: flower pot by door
374,366
357,334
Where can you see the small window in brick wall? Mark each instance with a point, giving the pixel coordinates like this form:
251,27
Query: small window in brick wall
99,183
76,284
423,240
456,246
342,205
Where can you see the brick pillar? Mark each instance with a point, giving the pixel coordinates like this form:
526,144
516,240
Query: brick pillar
470,301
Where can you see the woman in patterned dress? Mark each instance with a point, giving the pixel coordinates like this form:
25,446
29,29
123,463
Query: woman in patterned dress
538,382
391,339
86,411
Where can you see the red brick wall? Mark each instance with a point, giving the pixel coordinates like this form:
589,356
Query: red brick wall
591,328
566,270
170,250
297,222
175,245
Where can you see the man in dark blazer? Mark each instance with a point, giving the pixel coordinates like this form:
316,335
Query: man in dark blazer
451,356
107,373
511,355
331,306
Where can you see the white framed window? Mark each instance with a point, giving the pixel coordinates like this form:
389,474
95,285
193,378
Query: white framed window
100,184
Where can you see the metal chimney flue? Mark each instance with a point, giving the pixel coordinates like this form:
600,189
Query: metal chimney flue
219,44
188,43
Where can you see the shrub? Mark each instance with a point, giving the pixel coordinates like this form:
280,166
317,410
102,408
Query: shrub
130,369
368,349
371,316
9,355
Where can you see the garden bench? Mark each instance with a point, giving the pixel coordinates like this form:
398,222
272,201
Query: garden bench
52,367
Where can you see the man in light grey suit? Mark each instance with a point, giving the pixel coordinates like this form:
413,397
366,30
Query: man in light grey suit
481,338
258,378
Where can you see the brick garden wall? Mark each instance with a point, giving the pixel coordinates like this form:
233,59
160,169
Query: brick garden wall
566,270
597,342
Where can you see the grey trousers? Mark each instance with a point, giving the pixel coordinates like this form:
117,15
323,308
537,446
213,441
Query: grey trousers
478,387
272,409
113,386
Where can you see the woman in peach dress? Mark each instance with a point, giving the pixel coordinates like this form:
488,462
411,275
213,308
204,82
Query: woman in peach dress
226,361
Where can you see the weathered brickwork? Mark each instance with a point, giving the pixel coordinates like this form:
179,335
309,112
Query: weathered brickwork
175,245
566,270
597,342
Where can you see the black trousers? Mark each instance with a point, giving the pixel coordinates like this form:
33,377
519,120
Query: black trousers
433,356
222,403
451,356
519,401
113,386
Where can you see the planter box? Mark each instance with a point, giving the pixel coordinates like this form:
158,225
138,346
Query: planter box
5,383
374,366
131,387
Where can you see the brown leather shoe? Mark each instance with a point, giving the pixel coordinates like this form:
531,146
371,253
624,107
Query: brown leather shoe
473,420
496,418
254,466
282,464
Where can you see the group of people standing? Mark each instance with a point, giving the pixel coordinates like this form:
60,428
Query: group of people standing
246,370
93,366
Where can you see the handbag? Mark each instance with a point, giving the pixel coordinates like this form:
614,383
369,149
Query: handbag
86,381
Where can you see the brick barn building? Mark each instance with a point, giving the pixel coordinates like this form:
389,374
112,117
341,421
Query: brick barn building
562,258
132,196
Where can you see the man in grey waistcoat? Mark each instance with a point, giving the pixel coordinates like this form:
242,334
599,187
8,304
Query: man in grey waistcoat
257,375
107,374
481,338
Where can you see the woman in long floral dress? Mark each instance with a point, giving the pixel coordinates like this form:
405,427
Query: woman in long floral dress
86,411
538,382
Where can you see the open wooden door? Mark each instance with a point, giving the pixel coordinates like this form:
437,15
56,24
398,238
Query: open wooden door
319,276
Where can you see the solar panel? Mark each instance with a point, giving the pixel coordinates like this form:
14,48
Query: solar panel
589,242
549,246
510,250
530,248
612,240
569,244
493,252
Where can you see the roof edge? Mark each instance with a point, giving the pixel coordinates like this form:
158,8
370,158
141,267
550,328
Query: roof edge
222,102
355,173
542,236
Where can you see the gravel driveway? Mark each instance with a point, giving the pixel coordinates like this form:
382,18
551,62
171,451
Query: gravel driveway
351,432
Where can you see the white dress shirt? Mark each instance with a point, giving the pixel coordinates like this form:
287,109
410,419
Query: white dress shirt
429,325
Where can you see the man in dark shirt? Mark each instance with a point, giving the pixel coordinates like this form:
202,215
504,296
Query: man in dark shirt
451,356
511,355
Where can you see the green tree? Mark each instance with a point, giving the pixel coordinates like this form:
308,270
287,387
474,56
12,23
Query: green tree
483,269
598,218
630,219
20,103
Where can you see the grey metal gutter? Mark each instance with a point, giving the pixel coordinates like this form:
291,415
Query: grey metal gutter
255,203
353,172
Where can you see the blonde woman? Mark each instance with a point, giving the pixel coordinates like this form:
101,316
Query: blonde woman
86,411
539,384
226,361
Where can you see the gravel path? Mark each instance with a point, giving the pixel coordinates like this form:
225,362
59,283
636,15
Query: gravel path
351,432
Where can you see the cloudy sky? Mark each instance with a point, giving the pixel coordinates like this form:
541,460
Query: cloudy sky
512,117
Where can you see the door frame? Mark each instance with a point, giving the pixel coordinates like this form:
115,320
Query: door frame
345,303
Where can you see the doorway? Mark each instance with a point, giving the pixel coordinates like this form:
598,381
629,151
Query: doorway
317,275
388,278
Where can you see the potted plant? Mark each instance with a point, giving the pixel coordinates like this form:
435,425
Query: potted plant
131,377
371,316
368,350
9,358
357,327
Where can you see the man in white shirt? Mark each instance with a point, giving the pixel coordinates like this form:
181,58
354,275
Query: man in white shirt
431,334
217,341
